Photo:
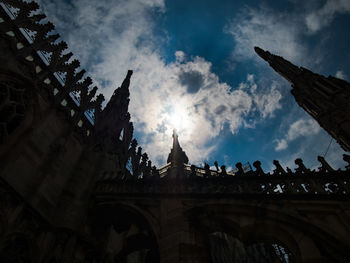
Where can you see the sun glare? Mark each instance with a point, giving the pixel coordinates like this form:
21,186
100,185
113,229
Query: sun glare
179,117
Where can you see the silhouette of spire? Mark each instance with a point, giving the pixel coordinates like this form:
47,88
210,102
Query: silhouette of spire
324,98
280,65
120,98
114,120
176,144
177,157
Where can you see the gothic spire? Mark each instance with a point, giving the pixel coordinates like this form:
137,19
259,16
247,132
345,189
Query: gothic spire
280,65
177,157
120,98
114,120
176,144
325,99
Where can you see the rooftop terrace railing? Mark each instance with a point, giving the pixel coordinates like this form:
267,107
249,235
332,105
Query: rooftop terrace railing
323,183
334,185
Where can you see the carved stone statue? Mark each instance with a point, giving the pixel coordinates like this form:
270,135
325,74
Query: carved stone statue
325,167
177,155
301,167
240,169
143,165
259,171
207,170
193,171
279,169
147,170
223,170
155,173
216,166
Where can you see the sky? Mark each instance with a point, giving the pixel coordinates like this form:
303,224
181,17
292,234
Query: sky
195,69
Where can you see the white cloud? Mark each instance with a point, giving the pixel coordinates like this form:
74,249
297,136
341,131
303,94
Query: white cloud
110,37
303,128
109,40
283,33
88,26
340,74
322,17
281,145
299,128
268,29
266,100
154,95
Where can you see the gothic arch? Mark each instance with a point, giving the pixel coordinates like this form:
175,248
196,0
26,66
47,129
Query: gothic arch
266,223
271,233
228,242
127,232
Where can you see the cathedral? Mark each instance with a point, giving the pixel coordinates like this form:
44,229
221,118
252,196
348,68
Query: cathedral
76,187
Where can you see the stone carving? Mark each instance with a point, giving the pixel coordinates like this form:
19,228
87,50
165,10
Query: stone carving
223,171
336,184
289,171
204,181
301,167
325,167
259,171
193,172
207,170
240,169
107,127
147,170
155,173
143,164
216,166
177,156
346,158
140,163
45,43
279,169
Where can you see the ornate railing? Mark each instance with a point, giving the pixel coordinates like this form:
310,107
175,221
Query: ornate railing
325,182
315,185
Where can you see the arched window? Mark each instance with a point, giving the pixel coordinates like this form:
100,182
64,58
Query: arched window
126,235
269,252
226,248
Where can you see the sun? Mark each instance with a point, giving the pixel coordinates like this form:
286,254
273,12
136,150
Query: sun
179,117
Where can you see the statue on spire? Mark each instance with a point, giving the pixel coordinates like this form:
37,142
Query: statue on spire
177,157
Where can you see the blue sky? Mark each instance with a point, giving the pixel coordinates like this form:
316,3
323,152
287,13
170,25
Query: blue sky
195,68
